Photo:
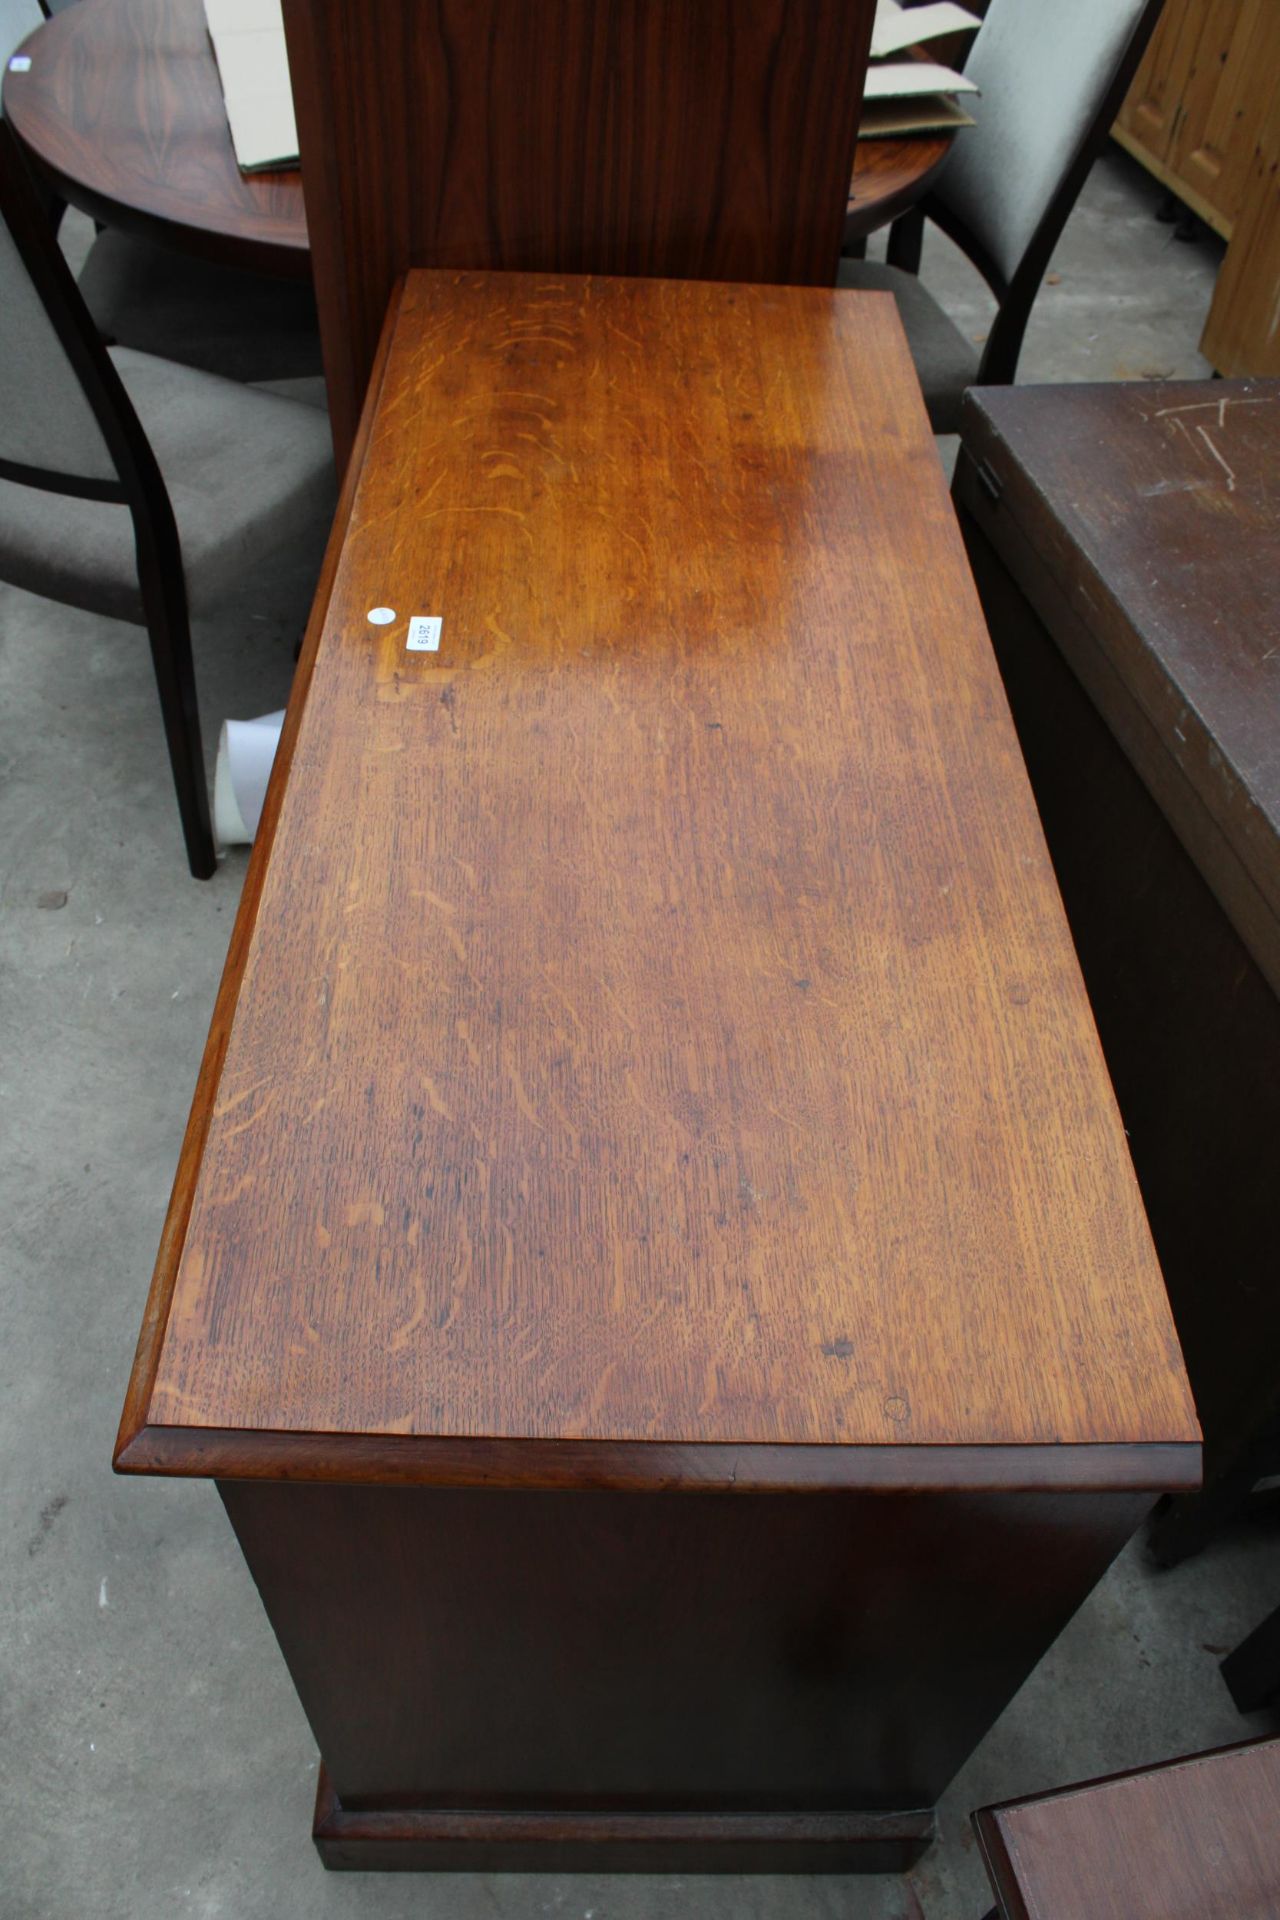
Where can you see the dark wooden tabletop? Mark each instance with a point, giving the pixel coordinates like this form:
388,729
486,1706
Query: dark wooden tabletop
1156,509
1198,1838
652,1024
123,107
889,176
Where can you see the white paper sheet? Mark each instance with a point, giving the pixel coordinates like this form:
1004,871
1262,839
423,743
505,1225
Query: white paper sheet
900,79
253,68
897,28
246,751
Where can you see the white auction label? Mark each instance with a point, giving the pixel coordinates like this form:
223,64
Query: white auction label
424,633
20,63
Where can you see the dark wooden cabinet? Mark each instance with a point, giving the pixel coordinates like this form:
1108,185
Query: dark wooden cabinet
1125,542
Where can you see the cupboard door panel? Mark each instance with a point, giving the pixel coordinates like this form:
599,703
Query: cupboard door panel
1147,120
1224,97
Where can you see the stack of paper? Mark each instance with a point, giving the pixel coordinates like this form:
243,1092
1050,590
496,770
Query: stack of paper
916,95
253,66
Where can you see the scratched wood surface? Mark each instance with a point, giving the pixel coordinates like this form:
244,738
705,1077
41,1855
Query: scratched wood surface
1153,508
652,1019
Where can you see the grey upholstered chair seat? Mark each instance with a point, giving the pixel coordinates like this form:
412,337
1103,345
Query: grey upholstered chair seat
246,326
946,363
213,478
248,474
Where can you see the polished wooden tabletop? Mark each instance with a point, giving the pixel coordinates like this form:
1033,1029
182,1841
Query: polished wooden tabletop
123,107
651,1024
889,176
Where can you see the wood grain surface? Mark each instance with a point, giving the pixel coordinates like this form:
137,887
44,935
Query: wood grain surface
1242,330
652,1018
1198,1837
1200,101
713,142
122,106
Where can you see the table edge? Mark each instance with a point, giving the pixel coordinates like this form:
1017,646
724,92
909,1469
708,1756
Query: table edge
994,1853
177,1217
654,1466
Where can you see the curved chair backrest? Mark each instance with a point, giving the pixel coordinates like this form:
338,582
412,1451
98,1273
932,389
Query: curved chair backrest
46,421
1052,75
66,422
1044,69
68,426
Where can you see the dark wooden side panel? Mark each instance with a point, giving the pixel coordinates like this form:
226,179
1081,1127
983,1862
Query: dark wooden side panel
461,1649
712,141
1191,1031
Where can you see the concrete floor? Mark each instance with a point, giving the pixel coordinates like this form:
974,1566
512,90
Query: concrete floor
154,1761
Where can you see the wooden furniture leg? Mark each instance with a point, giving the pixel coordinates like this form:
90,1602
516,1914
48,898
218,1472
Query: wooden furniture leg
1252,1672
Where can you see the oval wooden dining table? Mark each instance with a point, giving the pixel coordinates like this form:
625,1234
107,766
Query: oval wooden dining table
122,107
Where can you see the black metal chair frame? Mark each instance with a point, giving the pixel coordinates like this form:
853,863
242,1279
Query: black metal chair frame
140,486
1016,296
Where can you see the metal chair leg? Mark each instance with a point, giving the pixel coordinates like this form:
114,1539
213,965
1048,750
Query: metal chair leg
164,600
